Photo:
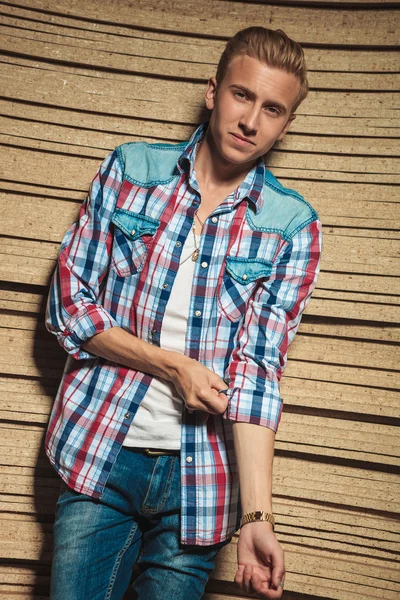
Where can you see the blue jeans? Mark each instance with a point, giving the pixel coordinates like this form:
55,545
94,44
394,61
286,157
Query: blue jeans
97,542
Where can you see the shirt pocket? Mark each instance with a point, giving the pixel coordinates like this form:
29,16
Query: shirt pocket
133,235
239,281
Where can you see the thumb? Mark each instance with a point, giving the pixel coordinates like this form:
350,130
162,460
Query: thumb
278,571
277,578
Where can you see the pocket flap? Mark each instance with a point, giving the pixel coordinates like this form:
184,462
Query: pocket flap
245,270
134,225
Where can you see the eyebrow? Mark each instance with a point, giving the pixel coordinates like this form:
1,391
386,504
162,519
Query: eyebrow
253,96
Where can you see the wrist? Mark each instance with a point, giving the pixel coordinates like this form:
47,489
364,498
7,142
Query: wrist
258,503
173,364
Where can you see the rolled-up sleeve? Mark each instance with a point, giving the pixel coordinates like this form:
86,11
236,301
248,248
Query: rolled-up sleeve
74,313
270,324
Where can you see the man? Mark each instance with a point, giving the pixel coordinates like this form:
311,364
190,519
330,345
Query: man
177,294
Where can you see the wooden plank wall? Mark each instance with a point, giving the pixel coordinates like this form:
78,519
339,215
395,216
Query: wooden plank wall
78,78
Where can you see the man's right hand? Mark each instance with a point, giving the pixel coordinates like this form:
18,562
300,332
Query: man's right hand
199,386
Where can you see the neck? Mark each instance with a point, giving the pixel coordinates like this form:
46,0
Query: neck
213,171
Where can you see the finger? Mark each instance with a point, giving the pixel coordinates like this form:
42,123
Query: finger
217,399
273,592
261,586
239,575
267,593
214,403
194,402
217,382
247,573
257,583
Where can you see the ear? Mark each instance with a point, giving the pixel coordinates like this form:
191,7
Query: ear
286,126
210,93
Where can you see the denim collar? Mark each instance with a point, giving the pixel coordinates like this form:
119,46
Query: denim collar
250,188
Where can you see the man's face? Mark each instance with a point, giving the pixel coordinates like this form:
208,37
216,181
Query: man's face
251,109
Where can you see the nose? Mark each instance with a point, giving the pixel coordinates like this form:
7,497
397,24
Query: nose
250,119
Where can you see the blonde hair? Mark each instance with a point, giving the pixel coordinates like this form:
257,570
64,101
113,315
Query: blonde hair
272,47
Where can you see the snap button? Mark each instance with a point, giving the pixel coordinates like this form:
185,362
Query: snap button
244,276
189,459
178,244
127,415
198,313
165,285
204,264
154,332
133,231
214,219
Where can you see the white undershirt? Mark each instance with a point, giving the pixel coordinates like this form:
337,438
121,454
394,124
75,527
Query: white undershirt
157,423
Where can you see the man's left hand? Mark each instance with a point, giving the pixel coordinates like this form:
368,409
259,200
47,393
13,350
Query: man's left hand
261,565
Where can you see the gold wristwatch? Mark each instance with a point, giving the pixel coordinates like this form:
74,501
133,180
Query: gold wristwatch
258,515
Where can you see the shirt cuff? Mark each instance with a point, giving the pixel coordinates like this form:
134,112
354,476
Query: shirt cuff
260,407
91,321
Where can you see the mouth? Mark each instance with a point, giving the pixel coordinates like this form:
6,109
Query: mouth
242,140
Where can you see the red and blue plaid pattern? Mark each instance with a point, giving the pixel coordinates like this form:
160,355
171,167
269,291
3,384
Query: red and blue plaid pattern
239,325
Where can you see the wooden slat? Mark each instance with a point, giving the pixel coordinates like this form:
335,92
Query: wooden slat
36,397
36,219
101,54
353,440
338,396
307,434
25,131
223,19
32,345
75,83
24,268
327,281
363,256
330,372
175,47
33,262
67,87
21,311
347,168
320,482
307,569
375,128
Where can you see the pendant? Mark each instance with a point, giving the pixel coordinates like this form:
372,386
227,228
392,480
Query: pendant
195,255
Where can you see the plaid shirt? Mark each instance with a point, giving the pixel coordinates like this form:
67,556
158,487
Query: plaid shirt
116,267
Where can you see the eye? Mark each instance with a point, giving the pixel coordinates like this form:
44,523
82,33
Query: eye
273,110
240,95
